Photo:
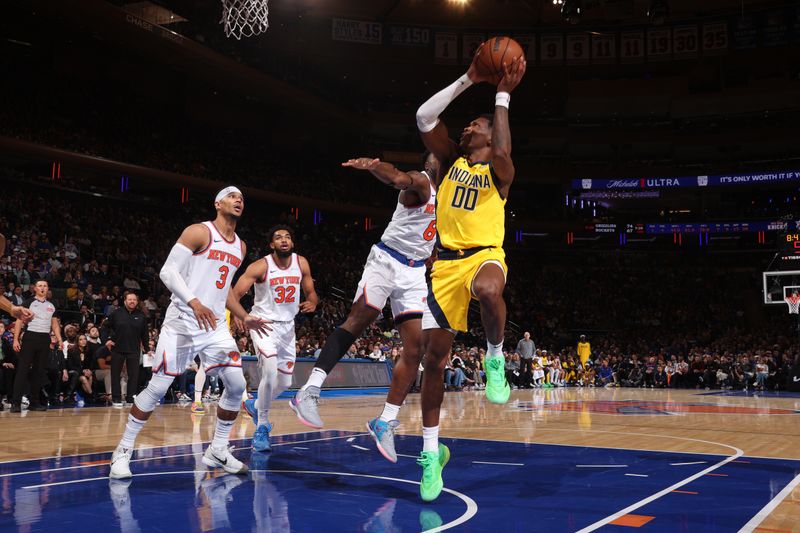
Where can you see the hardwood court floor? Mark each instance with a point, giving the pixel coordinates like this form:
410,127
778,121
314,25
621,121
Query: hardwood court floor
732,429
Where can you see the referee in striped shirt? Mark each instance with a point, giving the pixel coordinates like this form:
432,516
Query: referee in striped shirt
34,348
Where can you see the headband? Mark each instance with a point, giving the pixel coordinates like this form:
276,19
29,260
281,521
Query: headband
226,191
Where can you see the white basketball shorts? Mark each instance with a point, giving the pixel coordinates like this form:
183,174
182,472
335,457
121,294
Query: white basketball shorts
181,340
387,278
280,343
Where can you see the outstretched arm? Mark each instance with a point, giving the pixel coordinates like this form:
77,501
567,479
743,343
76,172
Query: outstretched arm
432,130
16,311
415,186
307,284
501,132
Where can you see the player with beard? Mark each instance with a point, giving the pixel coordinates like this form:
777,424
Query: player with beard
470,221
198,271
278,279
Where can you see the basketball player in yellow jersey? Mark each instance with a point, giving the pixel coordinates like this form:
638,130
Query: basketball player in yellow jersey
470,222
584,350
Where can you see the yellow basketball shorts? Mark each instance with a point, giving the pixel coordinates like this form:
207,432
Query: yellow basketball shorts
450,288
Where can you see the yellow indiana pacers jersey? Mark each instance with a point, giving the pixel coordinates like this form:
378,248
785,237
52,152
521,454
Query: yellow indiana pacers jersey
469,209
584,350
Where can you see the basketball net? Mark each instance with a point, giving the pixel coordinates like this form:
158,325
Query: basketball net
244,18
793,301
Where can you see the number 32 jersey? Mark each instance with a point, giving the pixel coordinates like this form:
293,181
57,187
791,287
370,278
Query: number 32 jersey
278,292
412,231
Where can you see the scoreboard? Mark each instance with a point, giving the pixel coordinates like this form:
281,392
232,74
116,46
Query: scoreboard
790,248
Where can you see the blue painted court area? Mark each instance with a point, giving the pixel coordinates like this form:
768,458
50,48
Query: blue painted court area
336,481
337,393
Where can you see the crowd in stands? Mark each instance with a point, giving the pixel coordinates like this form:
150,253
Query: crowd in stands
645,333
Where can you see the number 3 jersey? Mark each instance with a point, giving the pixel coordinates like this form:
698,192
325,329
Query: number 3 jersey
470,212
208,275
412,231
278,292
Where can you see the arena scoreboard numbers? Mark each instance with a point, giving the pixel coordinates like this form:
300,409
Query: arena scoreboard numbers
790,247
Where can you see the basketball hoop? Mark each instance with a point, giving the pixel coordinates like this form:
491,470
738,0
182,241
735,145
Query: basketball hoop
793,301
244,18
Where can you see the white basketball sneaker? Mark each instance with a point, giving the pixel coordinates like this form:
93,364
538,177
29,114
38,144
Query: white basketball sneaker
223,458
120,463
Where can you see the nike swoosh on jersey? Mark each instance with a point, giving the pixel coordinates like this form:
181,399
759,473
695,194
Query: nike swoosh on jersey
795,379
217,240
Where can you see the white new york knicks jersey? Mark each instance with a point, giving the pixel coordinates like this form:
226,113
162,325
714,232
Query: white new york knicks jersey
278,294
209,275
412,231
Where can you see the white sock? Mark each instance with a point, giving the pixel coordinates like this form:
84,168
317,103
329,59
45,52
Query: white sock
199,383
390,412
222,433
494,350
263,417
430,439
316,379
132,429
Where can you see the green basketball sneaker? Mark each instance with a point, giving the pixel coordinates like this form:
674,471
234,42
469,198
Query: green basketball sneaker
432,465
497,389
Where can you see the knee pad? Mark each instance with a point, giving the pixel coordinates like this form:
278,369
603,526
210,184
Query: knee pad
158,386
235,384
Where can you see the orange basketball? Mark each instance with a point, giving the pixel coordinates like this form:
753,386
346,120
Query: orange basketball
493,53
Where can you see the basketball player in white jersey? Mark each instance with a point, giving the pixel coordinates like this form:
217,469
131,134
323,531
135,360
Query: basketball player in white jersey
278,279
395,270
198,271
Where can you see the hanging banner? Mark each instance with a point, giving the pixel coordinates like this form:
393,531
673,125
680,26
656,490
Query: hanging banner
578,49
776,28
409,36
631,46
604,48
357,31
744,33
551,49
446,48
659,44
684,42
715,38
